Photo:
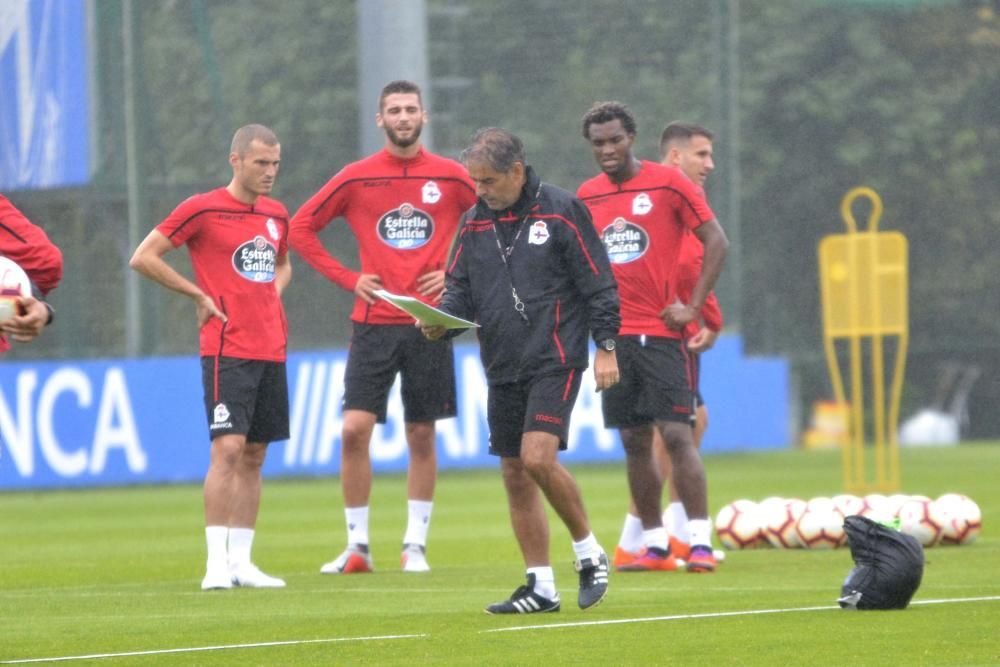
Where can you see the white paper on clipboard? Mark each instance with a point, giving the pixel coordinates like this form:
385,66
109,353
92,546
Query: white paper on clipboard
419,310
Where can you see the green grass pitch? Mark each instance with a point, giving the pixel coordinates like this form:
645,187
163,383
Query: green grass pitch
117,571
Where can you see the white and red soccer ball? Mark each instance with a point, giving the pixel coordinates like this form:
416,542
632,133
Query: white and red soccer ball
14,283
963,520
779,517
738,526
821,525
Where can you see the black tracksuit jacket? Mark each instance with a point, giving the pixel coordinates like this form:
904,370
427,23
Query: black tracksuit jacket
561,272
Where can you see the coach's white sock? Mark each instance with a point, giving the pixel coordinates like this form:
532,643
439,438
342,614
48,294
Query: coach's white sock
357,524
215,539
419,513
545,581
676,520
655,537
240,543
701,532
587,548
631,539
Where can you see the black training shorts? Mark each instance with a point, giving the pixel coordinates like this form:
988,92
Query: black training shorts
427,370
246,396
542,403
657,383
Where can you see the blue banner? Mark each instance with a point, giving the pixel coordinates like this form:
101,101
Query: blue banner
117,422
44,125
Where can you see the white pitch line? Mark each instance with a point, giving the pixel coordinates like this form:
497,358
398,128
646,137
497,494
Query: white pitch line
225,647
716,614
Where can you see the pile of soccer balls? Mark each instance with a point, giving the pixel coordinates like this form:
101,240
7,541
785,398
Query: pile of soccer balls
789,523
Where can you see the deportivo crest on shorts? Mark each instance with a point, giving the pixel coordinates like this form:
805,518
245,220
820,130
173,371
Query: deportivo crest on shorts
220,417
272,229
625,241
430,193
539,233
406,227
255,260
642,204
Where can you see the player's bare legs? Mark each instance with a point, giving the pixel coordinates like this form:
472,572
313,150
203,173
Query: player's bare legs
645,483
355,459
246,492
220,480
421,474
688,470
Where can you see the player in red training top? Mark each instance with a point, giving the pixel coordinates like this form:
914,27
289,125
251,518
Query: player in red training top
403,205
237,238
688,148
642,211
28,246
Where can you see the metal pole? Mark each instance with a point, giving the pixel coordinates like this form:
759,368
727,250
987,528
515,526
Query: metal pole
734,260
133,294
382,59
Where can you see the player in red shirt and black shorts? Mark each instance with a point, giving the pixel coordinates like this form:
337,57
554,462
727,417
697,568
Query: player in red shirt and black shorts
402,205
27,245
642,211
237,238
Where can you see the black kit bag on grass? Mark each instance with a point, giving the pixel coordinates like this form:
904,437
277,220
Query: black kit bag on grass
888,566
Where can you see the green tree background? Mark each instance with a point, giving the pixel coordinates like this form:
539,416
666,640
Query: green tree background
898,95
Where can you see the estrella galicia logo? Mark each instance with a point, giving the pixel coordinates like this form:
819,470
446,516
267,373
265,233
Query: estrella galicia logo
625,241
255,260
405,228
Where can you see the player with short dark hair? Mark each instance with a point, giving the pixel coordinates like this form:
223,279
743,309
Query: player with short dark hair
237,239
642,211
528,267
27,245
402,205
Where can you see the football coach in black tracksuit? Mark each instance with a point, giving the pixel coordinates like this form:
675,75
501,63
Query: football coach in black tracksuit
528,266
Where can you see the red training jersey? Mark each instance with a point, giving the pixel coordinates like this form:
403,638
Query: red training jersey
642,223
686,277
404,214
29,246
234,249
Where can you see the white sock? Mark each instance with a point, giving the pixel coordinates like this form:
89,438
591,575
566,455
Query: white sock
701,532
587,548
678,521
655,537
240,542
545,581
631,539
357,524
419,521
215,539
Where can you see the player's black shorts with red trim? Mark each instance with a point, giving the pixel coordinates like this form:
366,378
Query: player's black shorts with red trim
657,383
426,369
543,403
246,396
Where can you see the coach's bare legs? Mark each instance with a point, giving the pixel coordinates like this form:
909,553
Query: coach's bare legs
355,460
527,512
421,474
246,491
539,451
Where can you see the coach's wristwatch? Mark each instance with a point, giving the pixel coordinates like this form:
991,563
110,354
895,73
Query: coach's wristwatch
608,344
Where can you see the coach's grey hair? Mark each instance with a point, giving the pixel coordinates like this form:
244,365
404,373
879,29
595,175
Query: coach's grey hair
247,134
496,147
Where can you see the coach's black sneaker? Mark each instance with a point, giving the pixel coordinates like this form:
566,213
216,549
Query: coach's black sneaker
593,580
525,601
